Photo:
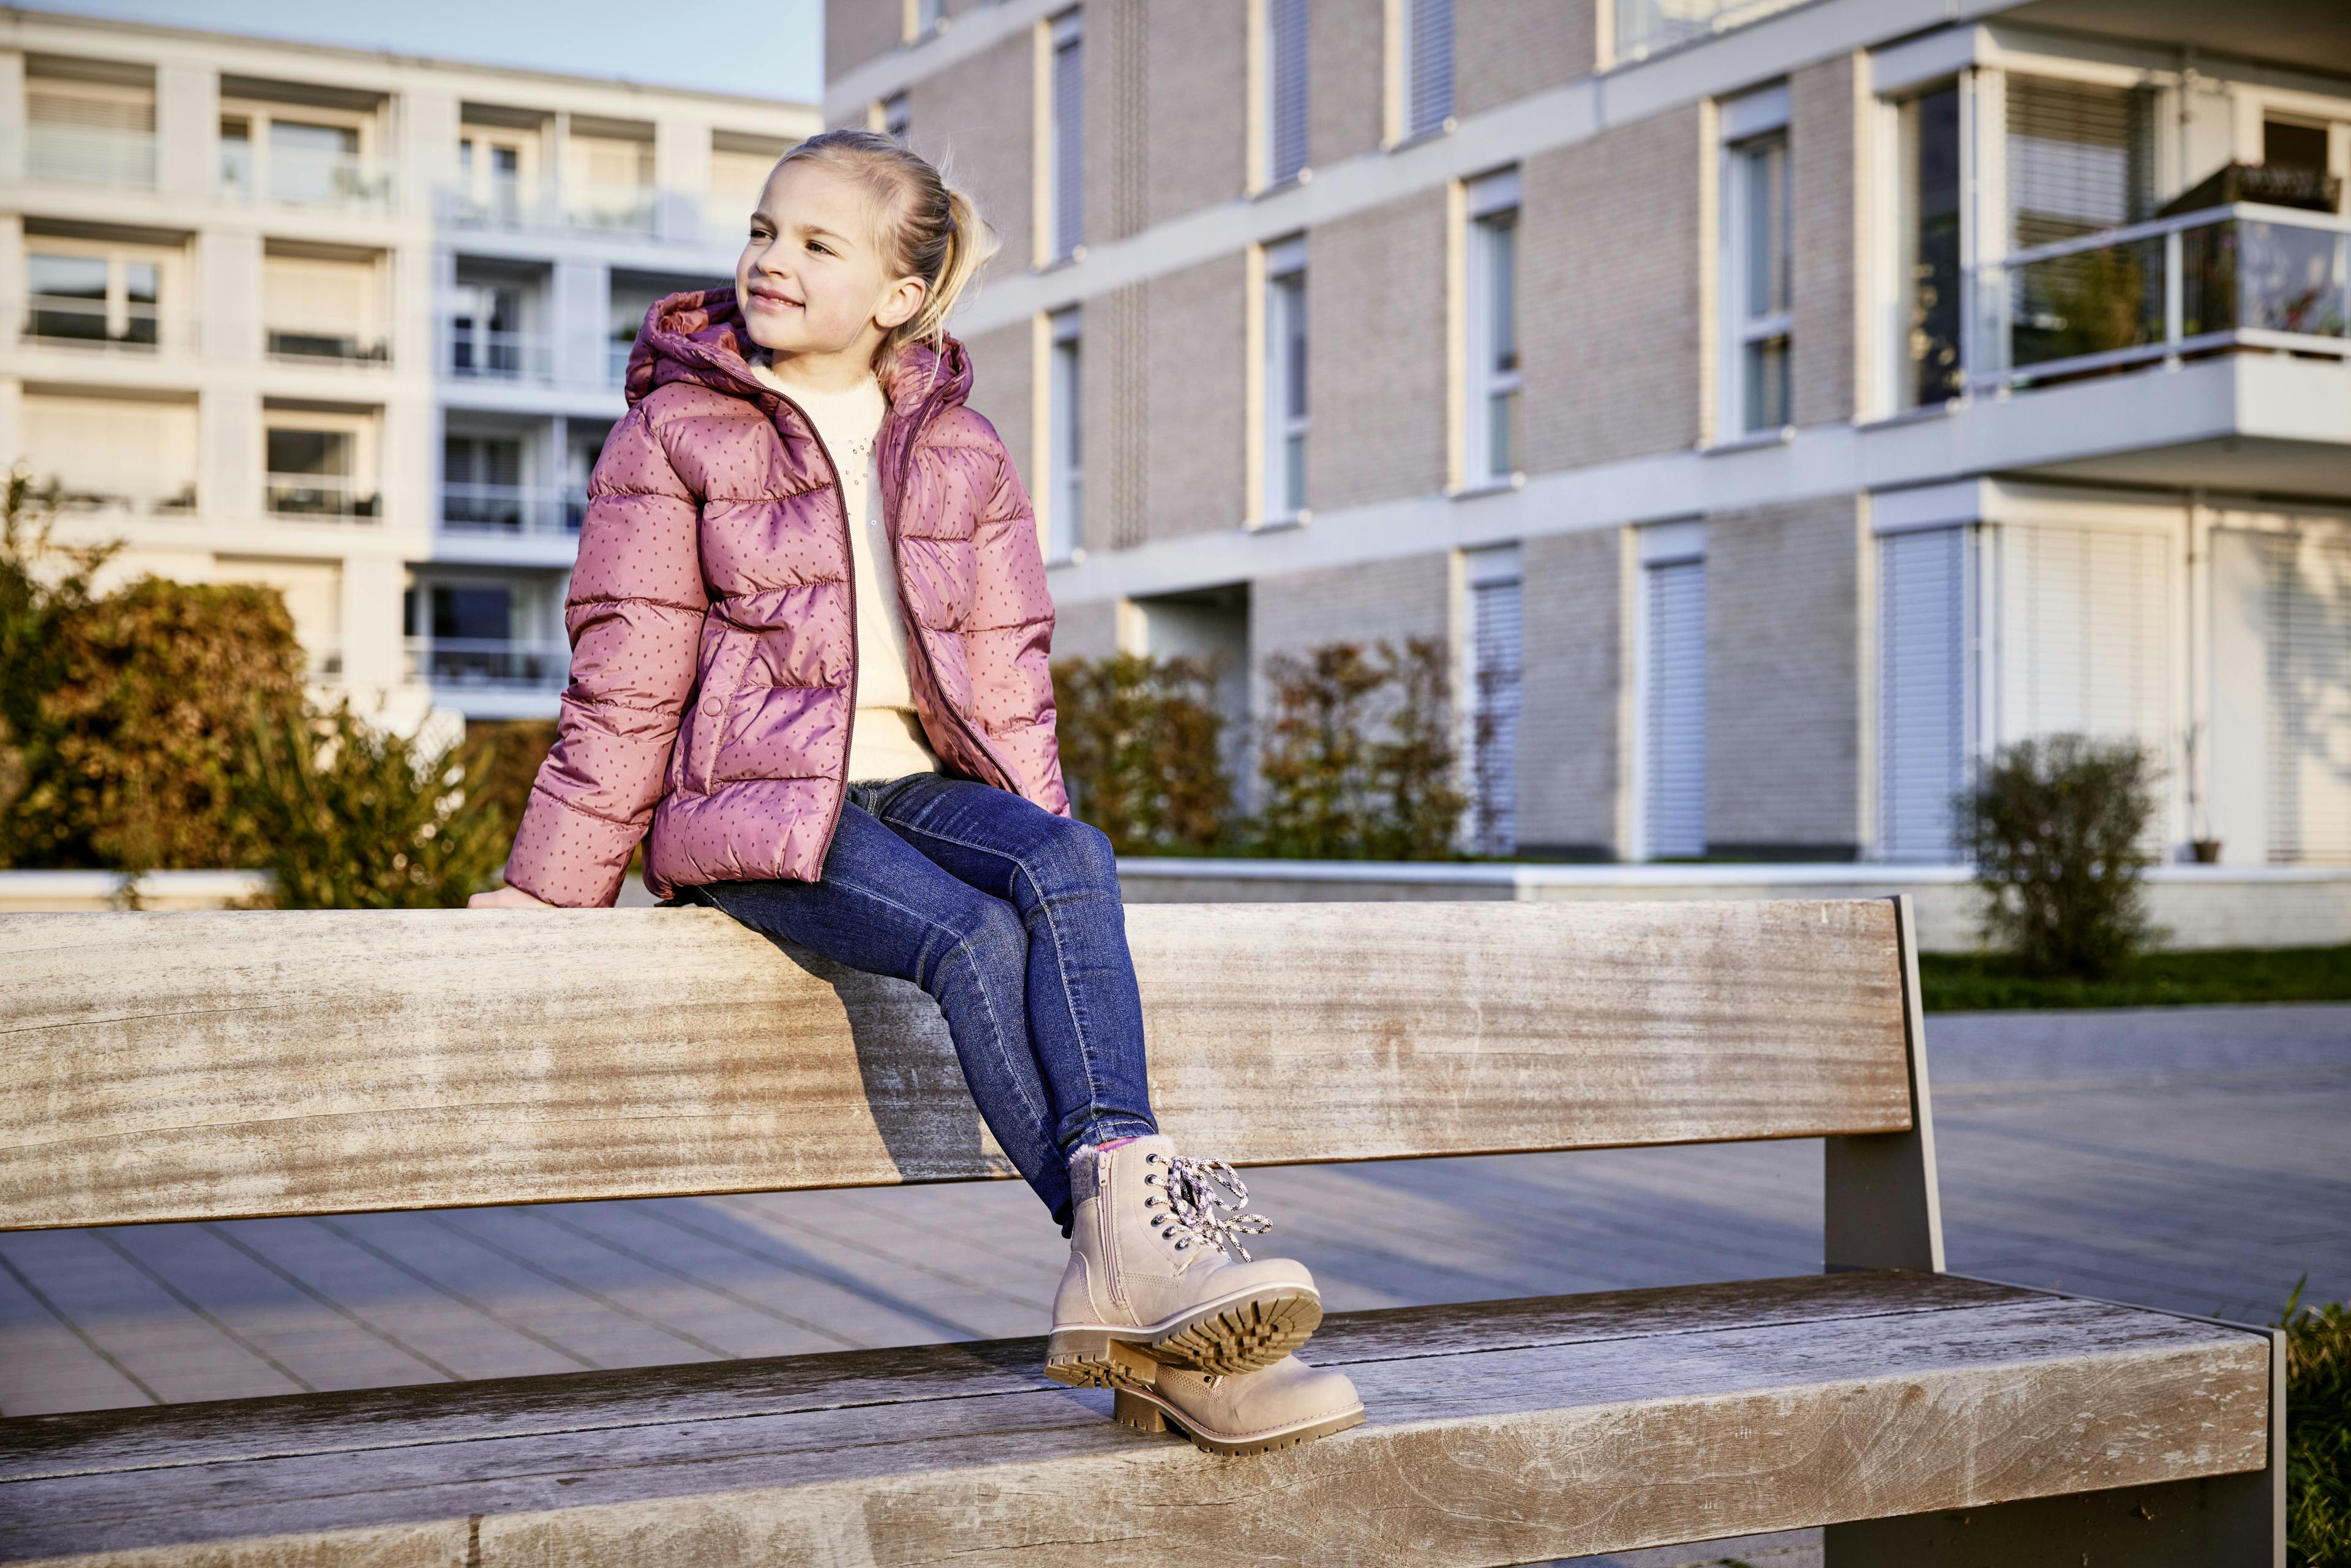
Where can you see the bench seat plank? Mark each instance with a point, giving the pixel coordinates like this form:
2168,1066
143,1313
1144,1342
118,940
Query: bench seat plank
1508,1432
210,1065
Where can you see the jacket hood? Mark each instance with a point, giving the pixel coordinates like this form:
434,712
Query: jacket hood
699,336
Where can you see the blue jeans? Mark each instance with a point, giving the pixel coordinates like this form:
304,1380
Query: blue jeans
1010,916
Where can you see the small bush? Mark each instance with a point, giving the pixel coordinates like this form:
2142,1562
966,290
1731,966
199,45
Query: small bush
1357,757
2057,828
2318,1434
1141,750
352,817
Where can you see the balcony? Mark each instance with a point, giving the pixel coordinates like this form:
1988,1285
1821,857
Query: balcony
487,662
326,497
1645,27
85,321
2221,280
515,205
127,500
481,353
306,177
310,347
90,155
549,511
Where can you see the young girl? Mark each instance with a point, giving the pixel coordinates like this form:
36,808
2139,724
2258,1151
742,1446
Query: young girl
810,636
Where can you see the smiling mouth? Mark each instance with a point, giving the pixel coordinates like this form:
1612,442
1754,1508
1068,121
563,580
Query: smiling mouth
773,301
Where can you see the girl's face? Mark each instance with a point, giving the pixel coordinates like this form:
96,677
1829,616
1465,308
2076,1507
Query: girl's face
813,279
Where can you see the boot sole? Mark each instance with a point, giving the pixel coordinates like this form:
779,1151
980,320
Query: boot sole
1146,1413
1244,1334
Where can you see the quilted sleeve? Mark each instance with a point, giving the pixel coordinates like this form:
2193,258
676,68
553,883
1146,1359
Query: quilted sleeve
1010,635
634,614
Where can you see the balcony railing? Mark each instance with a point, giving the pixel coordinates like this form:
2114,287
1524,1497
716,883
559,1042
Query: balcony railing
610,207
311,346
322,496
154,502
478,353
469,507
306,177
80,322
488,661
522,205
90,155
1644,27
2229,278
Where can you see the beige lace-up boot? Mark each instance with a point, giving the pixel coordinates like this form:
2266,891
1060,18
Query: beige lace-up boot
1247,1413
1157,1273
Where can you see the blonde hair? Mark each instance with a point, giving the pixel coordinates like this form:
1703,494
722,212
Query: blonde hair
927,228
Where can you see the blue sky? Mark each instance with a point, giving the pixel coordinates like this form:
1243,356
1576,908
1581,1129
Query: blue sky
776,51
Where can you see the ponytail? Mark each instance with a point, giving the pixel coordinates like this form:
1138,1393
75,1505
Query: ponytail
927,228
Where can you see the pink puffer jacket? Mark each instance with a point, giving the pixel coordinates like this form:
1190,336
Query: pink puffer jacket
712,620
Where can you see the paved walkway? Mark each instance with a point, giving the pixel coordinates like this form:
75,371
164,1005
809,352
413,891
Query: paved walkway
2197,1159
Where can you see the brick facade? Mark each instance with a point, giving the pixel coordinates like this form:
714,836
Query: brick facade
1610,312
1002,387
973,123
1195,443
1376,354
1346,88
1408,597
1570,763
1783,679
856,31
1504,49
1825,118
1199,72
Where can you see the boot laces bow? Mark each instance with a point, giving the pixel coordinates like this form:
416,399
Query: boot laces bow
1205,1200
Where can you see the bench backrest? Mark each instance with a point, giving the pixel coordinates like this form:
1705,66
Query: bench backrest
222,1065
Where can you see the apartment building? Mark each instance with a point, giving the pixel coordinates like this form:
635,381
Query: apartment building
347,323
1775,407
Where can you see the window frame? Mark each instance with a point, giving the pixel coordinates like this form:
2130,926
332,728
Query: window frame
1065,437
1062,206
1281,496
1747,334
1491,208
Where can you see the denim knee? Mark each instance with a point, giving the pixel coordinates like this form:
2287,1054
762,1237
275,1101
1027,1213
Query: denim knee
1080,856
994,936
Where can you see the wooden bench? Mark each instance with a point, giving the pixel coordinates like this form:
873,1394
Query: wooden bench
170,1067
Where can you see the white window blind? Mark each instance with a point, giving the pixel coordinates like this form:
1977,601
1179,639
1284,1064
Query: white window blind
1068,132
1922,679
333,299
2308,591
1675,709
90,107
1285,39
609,161
1066,493
1496,681
2080,157
1428,64
2082,629
109,452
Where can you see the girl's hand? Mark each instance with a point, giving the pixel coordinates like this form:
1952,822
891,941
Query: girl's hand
507,898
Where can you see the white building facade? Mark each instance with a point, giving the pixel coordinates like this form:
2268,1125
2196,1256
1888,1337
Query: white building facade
1777,407
346,323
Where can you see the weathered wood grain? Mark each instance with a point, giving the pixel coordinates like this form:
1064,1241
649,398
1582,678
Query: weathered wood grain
1669,1427
210,1065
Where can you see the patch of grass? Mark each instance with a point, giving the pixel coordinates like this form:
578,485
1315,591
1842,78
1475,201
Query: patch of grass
1984,982
2318,1434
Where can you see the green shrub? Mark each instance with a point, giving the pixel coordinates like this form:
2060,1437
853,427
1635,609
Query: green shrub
2057,828
504,754
2318,1434
354,817
1357,757
126,712
1141,750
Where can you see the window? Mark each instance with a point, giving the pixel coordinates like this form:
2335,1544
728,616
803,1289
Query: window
1285,380
2305,599
739,166
486,336
927,17
1672,648
1493,379
2290,144
1067,156
1427,66
310,164
103,299
1285,89
896,119
1924,589
107,453
317,463
1644,26
609,178
317,307
1756,283
481,483
493,169
89,132
2081,158
1064,495
1926,280
1496,662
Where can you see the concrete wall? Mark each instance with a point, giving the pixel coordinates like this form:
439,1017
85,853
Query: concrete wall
1826,121
1609,238
1783,679
975,122
1347,42
1375,353
1119,396
1195,442
1504,49
1570,739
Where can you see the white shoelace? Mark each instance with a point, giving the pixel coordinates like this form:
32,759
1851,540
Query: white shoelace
1205,1200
